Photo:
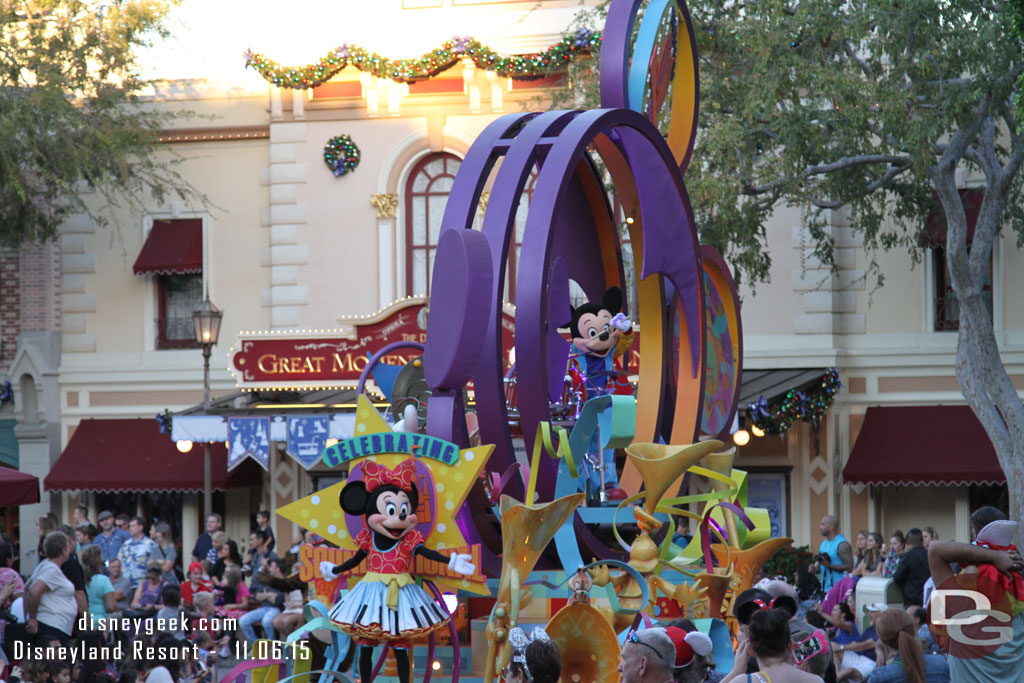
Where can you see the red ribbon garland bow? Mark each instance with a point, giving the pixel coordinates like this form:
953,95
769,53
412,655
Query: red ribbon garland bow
375,476
1014,586
761,605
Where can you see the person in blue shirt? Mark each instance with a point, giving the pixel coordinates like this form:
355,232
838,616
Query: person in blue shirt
835,554
897,630
110,538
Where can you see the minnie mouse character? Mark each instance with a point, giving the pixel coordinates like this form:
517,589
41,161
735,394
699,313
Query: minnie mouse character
387,605
600,334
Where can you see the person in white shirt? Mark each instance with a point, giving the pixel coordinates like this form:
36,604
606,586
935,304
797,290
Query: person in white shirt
51,607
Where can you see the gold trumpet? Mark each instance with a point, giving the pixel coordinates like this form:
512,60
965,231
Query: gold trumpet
659,466
525,532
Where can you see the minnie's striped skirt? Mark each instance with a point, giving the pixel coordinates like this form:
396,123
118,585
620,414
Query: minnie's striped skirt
363,613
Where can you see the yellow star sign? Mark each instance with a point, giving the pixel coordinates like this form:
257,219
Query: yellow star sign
453,471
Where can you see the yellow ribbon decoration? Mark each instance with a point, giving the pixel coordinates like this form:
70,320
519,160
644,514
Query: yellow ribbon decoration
543,443
394,582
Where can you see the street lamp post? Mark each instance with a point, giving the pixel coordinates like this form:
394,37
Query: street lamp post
206,321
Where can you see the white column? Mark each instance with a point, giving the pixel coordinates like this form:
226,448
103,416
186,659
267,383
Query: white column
34,459
962,514
236,517
387,212
190,527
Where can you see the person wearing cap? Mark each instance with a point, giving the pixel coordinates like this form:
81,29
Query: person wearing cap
994,555
896,629
110,539
647,657
692,648
913,571
196,583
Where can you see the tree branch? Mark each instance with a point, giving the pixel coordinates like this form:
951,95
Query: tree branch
851,162
852,54
890,173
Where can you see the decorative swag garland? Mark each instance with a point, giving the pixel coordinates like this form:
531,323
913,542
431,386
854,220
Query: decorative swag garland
582,43
809,406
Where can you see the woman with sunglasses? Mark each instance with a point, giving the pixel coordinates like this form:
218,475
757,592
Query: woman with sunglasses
770,642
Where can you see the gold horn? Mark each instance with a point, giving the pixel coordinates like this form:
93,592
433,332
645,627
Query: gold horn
525,533
720,462
745,564
661,464
587,642
717,586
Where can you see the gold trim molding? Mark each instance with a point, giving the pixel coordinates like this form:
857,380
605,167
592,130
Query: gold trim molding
386,205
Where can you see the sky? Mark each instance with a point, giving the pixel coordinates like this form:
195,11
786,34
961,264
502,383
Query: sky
210,36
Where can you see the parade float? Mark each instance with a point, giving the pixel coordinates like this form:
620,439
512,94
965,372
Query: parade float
539,544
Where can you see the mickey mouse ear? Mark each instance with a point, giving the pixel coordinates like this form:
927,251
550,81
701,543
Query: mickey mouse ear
539,634
517,638
700,642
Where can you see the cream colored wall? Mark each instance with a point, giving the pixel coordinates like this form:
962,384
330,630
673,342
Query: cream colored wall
905,507
1012,266
342,226
897,306
762,302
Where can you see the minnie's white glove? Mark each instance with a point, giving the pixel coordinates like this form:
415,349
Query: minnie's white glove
461,564
328,571
622,322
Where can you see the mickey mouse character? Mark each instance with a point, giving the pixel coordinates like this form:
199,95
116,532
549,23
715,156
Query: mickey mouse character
600,334
387,605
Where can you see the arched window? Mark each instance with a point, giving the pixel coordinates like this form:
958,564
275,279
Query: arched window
426,194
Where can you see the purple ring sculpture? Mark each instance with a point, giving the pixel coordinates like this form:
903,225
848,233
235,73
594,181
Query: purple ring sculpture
569,228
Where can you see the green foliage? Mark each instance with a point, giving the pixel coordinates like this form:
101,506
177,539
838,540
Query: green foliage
826,105
785,562
71,125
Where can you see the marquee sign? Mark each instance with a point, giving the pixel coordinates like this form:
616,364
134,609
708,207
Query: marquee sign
319,359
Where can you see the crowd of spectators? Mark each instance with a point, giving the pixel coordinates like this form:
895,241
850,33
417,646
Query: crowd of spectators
120,581
784,633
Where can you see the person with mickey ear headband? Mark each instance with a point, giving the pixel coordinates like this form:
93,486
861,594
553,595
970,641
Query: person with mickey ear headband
535,657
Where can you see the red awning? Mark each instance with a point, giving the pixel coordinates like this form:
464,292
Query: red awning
17,488
922,445
172,247
132,455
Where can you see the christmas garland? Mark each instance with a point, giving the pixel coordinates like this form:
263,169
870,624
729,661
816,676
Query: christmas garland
341,155
579,44
796,405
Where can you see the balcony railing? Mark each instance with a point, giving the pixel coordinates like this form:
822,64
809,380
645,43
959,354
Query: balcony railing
947,311
175,333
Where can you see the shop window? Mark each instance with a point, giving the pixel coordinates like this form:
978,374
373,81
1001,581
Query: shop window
173,255
947,307
177,297
426,194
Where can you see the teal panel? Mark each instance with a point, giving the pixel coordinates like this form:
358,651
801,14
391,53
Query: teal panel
8,443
